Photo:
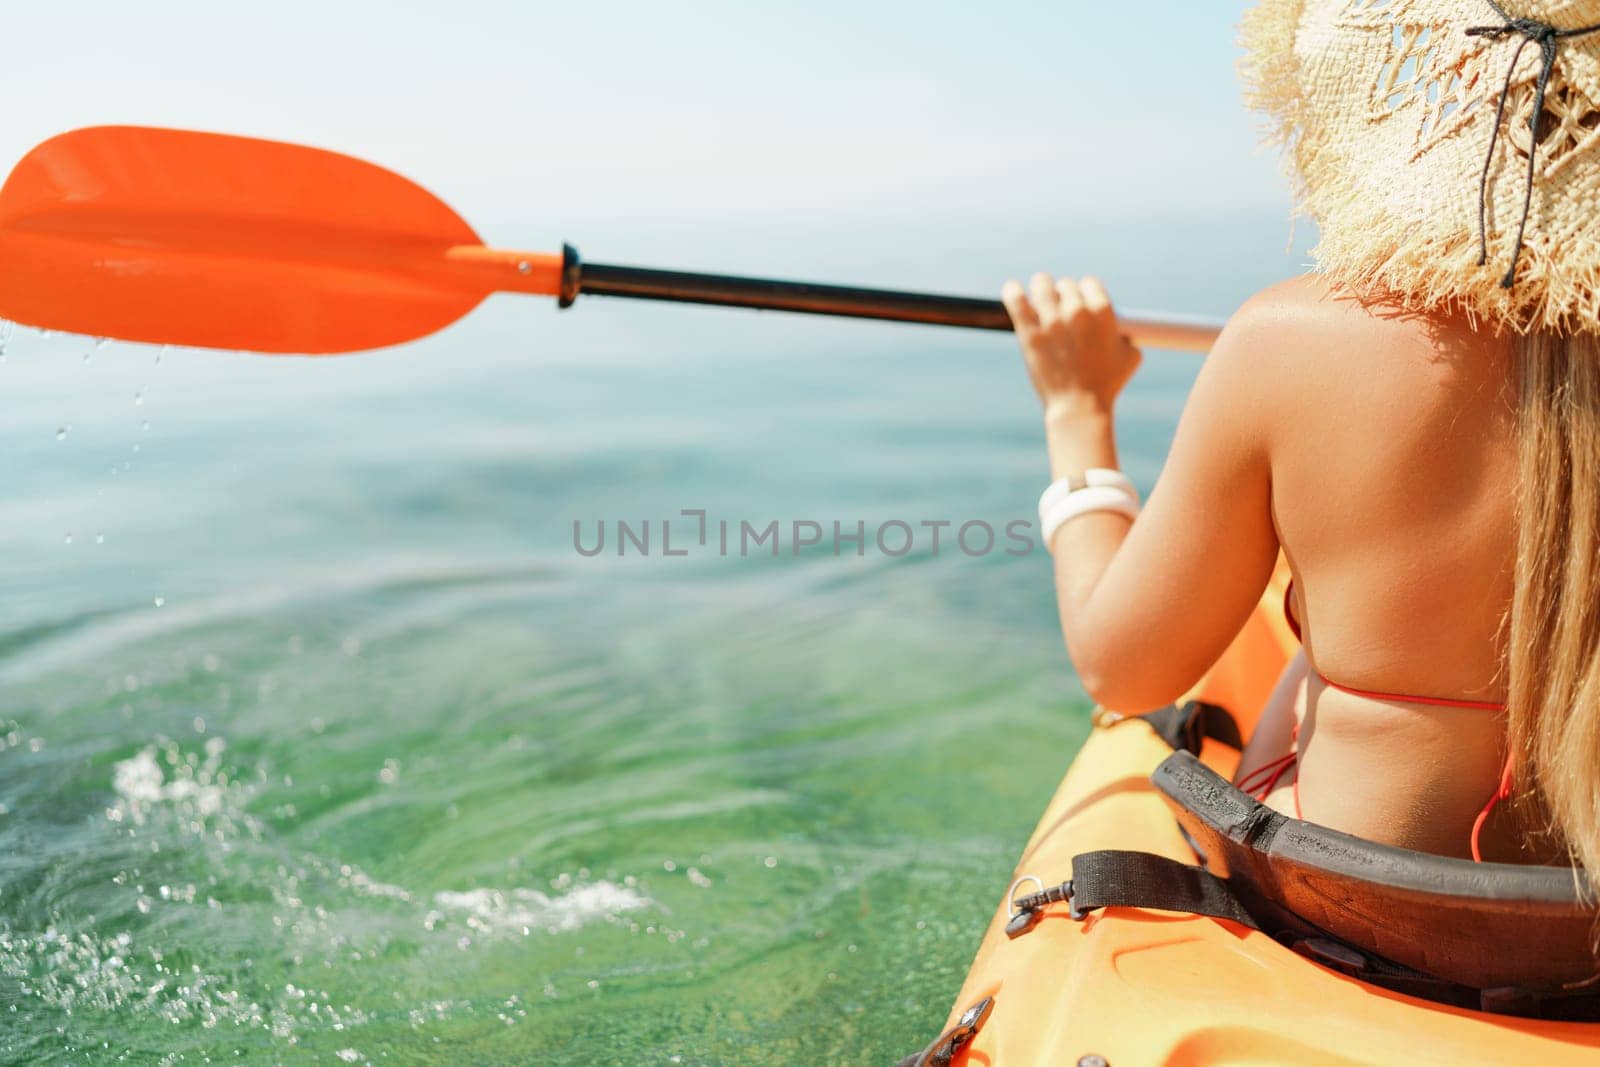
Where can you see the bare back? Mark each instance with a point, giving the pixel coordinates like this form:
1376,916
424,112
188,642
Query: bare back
1377,451
1393,462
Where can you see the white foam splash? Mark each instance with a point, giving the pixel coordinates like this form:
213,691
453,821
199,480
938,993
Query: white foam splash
199,792
361,883
138,779
491,911
141,783
76,972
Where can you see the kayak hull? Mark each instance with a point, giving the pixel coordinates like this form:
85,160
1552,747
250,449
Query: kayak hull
1136,987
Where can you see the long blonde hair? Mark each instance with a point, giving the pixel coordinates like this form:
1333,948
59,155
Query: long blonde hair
1554,647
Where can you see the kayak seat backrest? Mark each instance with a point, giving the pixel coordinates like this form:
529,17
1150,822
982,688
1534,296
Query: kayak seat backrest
1487,926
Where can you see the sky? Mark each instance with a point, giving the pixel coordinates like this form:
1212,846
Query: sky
531,116
938,145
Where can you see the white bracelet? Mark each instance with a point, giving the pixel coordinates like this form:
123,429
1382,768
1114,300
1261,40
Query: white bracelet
1069,506
1094,476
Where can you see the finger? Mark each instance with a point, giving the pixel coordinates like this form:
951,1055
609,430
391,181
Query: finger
1069,297
1043,291
1095,298
1023,315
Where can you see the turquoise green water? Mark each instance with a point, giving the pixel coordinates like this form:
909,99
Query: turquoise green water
320,743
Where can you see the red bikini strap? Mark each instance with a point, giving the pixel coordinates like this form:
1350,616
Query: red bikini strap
1260,782
1437,702
1372,694
1266,777
1507,787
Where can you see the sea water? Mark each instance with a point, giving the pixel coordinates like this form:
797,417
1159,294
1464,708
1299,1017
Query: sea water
321,741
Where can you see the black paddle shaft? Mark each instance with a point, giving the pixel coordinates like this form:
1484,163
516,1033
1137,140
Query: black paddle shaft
601,279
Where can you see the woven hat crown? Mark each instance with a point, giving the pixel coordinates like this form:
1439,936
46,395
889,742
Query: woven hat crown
1409,129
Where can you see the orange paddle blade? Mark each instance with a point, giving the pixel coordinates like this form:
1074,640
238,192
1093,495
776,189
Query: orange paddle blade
214,241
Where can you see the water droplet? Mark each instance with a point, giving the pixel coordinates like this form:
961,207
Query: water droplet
67,540
159,353
61,432
100,539
160,601
145,425
138,398
771,862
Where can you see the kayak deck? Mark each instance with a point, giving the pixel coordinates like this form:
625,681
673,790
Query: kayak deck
1137,986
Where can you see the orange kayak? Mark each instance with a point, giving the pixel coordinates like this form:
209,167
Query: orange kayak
1130,987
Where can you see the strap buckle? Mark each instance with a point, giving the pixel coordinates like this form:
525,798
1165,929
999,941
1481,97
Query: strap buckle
1026,912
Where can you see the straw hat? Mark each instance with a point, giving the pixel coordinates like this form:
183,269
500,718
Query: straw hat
1409,131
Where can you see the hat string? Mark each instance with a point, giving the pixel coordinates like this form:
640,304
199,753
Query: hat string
1548,38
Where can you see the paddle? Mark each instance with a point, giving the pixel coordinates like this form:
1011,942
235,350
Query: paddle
215,241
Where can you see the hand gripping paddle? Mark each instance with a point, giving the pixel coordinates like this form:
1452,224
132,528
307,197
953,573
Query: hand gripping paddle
214,241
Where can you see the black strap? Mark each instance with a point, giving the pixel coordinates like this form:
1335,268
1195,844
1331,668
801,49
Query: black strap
1186,727
1142,880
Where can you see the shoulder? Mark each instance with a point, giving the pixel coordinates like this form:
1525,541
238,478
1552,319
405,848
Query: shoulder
1278,355
1298,332
1292,309
1292,294
1270,332
1317,332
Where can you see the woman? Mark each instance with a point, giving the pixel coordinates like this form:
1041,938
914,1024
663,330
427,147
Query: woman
1416,427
